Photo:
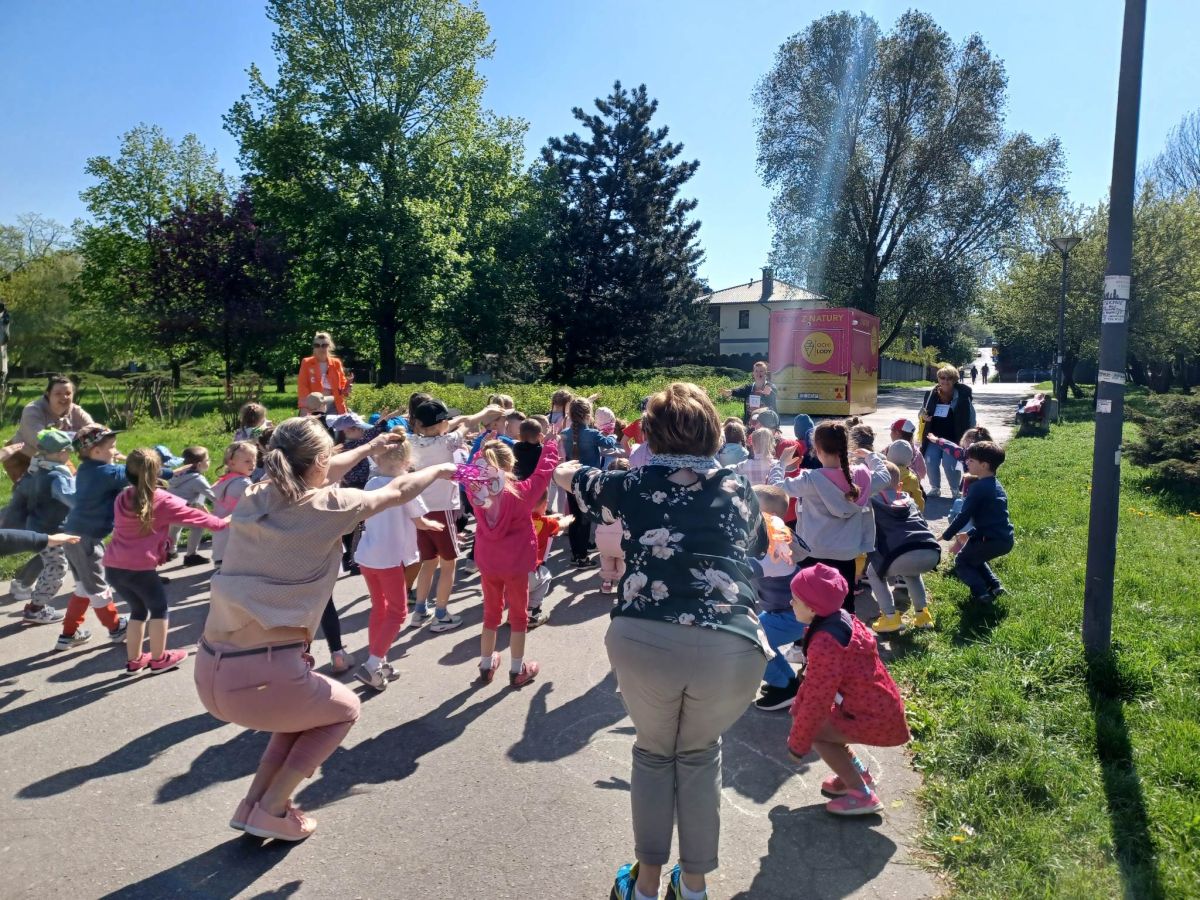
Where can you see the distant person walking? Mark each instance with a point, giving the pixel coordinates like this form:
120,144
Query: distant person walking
974,374
985,373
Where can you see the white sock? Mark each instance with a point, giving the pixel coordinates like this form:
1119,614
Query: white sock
485,662
640,896
516,664
373,663
689,894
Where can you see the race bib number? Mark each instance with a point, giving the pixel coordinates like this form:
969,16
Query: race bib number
941,410
754,400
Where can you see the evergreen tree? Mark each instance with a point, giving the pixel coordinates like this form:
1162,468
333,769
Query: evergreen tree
618,285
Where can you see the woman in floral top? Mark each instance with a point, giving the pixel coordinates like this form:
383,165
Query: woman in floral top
689,527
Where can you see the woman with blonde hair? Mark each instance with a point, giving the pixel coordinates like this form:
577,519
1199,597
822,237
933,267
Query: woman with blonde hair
685,640
947,411
323,373
277,575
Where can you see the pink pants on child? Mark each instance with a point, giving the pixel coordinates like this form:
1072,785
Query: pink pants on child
389,607
514,589
612,568
276,691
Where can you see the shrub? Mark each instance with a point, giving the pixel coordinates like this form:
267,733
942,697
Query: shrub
1169,442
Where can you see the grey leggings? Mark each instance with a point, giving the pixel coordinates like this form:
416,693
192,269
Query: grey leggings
909,567
143,590
682,686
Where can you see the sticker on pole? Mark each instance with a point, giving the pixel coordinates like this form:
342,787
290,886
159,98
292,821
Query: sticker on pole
1104,406
1116,294
1111,377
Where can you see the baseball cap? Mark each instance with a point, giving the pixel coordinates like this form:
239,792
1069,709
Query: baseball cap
767,418
348,420
821,588
430,412
905,425
51,440
89,436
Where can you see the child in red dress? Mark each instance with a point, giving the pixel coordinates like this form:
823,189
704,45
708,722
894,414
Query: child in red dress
847,694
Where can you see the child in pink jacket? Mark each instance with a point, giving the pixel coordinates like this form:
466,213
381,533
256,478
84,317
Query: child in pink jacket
142,518
506,552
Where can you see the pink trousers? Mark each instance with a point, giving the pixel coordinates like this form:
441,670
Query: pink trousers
389,607
497,589
276,691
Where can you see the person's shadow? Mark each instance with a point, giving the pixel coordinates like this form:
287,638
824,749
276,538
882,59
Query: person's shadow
393,754
812,854
224,871
556,734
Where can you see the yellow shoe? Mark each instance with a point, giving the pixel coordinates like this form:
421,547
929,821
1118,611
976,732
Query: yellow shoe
887,624
923,619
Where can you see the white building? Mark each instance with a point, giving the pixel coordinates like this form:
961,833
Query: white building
743,311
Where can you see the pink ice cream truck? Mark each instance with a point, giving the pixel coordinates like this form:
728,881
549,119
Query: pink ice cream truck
824,361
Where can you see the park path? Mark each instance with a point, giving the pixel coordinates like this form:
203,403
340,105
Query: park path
114,786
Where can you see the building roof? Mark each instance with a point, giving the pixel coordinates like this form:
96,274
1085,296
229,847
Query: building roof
782,292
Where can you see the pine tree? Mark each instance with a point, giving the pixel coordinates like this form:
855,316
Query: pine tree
619,283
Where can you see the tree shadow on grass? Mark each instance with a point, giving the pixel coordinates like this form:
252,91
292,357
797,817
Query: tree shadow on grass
139,752
224,871
1108,691
812,854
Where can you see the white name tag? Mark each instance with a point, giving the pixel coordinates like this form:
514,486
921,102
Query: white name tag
941,410
754,400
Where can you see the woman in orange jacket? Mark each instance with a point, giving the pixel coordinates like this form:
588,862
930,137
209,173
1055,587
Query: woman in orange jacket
322,373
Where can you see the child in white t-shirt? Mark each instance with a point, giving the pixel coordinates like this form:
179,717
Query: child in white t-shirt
387,546
436,437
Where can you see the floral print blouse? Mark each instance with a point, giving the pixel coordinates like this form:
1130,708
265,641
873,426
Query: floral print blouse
686,545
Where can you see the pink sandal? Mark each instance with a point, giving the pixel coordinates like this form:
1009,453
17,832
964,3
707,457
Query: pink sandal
293,825
833,786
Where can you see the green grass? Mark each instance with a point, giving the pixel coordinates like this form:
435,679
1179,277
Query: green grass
895,385
1047,775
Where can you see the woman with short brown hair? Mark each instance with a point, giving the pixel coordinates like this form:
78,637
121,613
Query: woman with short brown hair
684,640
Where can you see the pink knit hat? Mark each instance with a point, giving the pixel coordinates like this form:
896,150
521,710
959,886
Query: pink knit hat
821,588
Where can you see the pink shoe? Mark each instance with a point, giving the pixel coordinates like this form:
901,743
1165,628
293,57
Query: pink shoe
241,814
169,660
136,665
855,803
833,786
293,825
486,675
528,672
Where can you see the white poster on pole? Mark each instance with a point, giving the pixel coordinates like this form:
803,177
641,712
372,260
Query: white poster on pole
1111,377
1116,296
1104,406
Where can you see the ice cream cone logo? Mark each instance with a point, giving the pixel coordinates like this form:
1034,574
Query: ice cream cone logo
817,348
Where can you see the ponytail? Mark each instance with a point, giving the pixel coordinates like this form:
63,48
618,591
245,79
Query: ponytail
832,438
143,469
580,413
295,446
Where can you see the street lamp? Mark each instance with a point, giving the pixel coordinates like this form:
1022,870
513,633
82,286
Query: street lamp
1064,246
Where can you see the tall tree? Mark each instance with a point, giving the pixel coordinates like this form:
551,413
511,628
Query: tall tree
216,280
619,284
133,193
358,152
890,164
1177,169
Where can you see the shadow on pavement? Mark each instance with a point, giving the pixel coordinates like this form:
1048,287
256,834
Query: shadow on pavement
555,734
139,752
224,871
811,854
234,759
392,755
60,704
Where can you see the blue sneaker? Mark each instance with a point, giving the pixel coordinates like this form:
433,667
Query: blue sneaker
675,886
623,885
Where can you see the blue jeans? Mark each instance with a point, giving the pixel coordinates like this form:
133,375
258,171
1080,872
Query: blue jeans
971,565
937,459
781,628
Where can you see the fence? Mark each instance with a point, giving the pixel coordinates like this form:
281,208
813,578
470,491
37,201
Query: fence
899,370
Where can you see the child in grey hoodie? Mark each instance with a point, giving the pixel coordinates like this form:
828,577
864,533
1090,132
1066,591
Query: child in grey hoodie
193,488
836,521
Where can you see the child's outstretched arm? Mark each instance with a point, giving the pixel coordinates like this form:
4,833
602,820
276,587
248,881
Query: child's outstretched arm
406,487
343,462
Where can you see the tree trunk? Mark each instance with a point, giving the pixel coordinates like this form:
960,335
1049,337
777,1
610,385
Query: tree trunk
280,377
385,333
176,374
1137,371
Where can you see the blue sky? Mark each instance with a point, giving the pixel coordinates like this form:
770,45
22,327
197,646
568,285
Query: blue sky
75,74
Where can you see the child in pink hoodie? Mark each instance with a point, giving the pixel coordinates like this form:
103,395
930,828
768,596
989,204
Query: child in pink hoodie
506,552
143,516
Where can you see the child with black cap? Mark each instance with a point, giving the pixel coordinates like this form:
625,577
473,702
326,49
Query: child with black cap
436,435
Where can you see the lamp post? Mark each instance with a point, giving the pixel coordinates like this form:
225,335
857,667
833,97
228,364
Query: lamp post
1064,246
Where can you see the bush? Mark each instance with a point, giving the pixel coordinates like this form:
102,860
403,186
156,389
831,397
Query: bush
1169,442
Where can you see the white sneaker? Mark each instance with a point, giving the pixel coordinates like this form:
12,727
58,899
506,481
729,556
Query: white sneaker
445,624
376,679
43,615
21,592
